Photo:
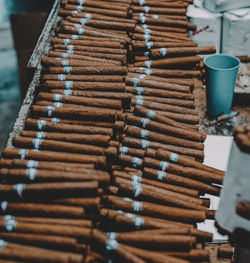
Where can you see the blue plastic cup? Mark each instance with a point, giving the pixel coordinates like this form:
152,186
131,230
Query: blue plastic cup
221,74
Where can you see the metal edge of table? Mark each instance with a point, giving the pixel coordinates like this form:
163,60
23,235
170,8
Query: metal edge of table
42,48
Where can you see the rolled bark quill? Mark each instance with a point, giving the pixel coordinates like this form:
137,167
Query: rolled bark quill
91,203
51,61
166,101
61,54
101,17
159,241
114,33
180,181
173,73
80,31
101,11
144,112
164,52
151,256
162,138
161,3
148,222
170,29
114,57
95,78
43,210
130,151
184,118
184,81
155,210
85,223
100,4
115,247
53,156
153,38
163,185
170,62
165,129
159,93
174,230
225,252
37,175
125,97
30,191
164,34
81,85
162,10
50,105
23,253
143,144
157,85
105,24
151,19
194,255
48,61
147,113
54,145
54,166
155,196
45,241
119,70
91,139
41,228
95,102
168,156
148,45
69,9
88,113
77,42
68,127
190,172
159,190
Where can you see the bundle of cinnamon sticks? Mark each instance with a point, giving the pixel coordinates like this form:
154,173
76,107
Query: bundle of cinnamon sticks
108,165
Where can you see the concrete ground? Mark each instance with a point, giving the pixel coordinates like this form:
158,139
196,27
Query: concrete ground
9,86
9,81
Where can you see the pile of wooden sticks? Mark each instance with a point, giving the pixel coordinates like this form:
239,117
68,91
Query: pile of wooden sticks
109,163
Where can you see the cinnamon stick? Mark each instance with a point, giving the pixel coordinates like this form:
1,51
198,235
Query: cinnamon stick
58,146
168,156
53,156
155,210
163,128
156,84
86,113
67,127
97,78
93,139
163,52
159,137
180,181
144,112
37,175
164,185
81,85
169,62
88,70
43,210
36,190
144,144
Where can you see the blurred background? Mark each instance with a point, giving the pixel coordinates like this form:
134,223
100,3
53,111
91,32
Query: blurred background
21,22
